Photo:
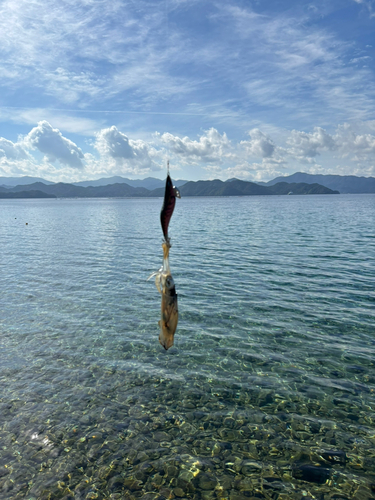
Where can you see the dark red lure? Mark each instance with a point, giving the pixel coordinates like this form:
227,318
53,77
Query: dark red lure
168,206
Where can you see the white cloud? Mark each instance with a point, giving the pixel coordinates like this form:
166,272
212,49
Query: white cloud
351,150
42,41
369,4
361,59
306,146
294,66
220,158
85,52
113,143
360,147
97,55
348,149
11,150
135,156
211,146
260,144
51,142
343,152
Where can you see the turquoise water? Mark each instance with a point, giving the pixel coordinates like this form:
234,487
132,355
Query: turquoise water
269,391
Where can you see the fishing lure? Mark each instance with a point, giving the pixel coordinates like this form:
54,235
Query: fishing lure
163,278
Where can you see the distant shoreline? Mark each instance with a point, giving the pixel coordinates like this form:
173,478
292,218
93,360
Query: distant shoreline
117,186
199,188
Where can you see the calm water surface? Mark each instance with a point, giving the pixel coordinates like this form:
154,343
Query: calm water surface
269,391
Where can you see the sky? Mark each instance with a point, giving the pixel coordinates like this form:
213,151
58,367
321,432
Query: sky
246,89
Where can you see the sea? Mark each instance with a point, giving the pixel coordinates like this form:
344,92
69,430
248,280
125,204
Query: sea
269,389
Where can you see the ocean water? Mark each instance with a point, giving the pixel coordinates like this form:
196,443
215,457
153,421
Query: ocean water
269,390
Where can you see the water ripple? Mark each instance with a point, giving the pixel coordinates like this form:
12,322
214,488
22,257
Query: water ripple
269,391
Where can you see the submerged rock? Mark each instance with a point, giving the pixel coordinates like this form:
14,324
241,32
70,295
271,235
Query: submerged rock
311,473
335,457
207,482
250,467
115,483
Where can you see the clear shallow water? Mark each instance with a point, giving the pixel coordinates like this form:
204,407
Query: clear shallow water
269,391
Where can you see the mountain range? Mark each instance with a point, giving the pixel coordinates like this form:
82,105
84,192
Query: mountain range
341,183
9,182
199,188
148,183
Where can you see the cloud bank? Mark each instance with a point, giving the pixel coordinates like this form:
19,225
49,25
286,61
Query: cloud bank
261,156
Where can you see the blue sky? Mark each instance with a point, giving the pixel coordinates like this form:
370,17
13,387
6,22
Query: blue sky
245,89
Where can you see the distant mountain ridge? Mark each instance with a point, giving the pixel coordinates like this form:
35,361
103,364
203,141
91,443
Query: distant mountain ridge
148,183
63,190
343,183
220,188
32,193
21,181
244,188
199,188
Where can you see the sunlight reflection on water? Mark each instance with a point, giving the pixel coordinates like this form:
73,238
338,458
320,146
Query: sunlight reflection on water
269,390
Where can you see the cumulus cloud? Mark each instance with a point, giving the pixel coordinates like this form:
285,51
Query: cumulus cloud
137,155
345,147
11,150
114,143
306,146
54,145
211,146
344,142
260,145
362,146
348,149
